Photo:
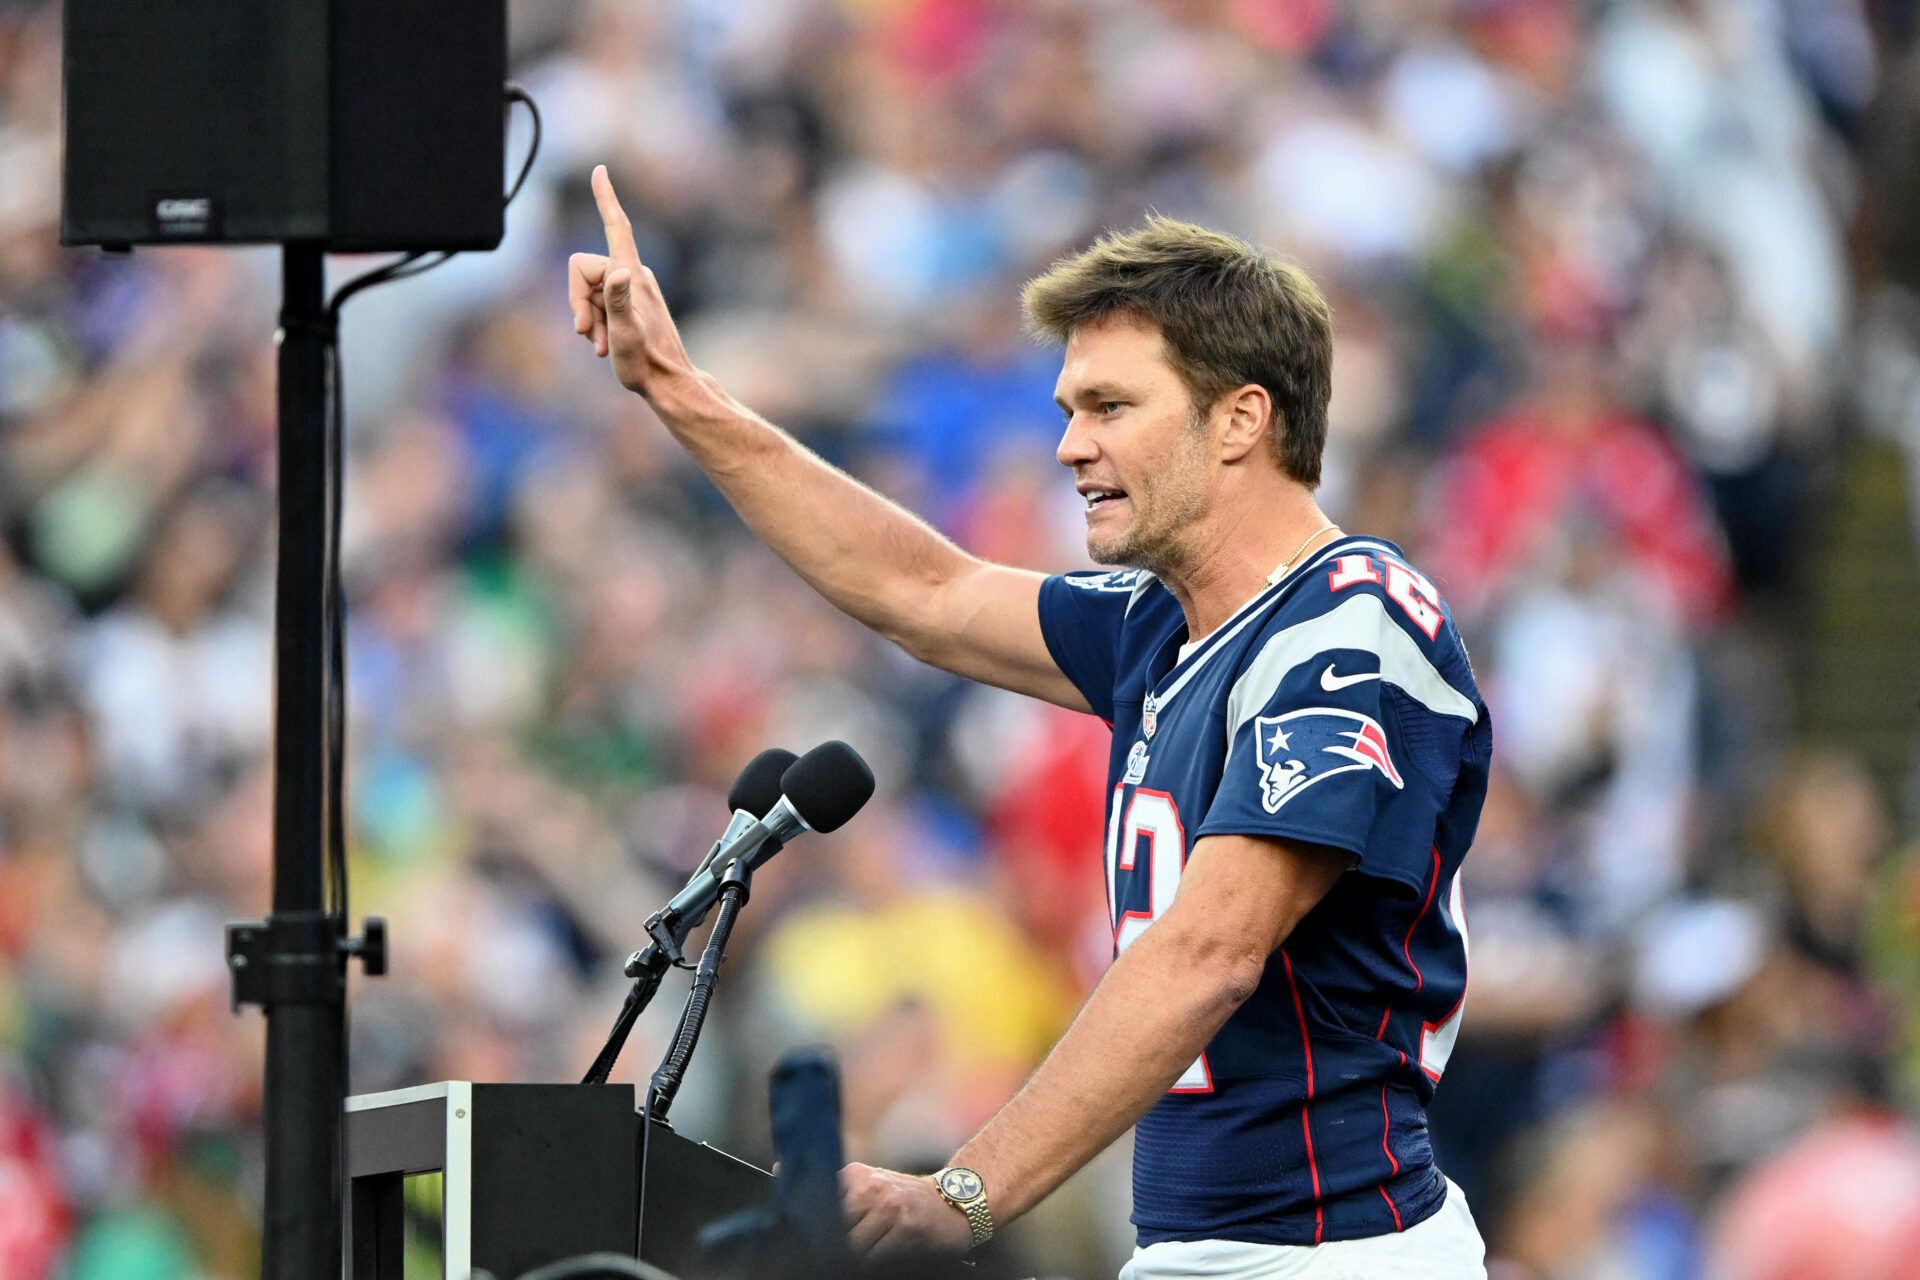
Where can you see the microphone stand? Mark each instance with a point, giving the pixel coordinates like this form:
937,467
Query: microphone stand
646,968
666,1081
667,930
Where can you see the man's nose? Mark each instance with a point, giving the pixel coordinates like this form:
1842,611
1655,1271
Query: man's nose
1076,444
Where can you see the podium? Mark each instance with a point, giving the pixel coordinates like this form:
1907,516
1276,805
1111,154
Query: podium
530,1174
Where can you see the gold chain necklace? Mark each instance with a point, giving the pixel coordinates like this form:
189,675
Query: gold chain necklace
1287,565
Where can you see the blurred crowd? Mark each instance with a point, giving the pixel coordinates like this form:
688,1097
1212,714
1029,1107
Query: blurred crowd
1612,293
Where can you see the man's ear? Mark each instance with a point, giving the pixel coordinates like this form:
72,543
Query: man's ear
1249,416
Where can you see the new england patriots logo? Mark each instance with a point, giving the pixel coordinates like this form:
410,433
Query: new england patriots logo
1301,748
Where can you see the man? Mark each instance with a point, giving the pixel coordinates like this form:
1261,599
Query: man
1299,758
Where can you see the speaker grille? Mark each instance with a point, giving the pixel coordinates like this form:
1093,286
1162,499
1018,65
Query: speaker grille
360,124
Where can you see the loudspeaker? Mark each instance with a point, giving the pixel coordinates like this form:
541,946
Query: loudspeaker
364,125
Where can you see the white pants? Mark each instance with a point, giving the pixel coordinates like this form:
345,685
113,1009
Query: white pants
1446,1246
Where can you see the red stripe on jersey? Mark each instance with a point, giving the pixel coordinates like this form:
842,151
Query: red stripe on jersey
1396,1209
1419,981
1406,948
1306,1125
1386,1130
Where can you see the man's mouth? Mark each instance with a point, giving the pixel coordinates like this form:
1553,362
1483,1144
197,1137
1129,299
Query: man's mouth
1097,497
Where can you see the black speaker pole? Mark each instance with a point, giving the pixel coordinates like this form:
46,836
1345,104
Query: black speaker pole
293,964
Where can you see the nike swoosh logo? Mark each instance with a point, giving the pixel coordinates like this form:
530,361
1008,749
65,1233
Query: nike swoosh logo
1331,682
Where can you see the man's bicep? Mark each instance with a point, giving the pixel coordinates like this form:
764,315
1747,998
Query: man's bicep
1253,888
988,629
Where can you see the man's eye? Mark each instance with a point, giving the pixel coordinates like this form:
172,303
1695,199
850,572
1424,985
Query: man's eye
1109,406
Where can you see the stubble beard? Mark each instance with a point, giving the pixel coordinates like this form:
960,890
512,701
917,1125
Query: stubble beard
1156,539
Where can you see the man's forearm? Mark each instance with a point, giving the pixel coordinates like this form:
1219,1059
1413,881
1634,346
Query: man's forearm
1150,1017
870,557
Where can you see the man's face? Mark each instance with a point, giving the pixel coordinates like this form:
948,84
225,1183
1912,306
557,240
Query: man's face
1137,449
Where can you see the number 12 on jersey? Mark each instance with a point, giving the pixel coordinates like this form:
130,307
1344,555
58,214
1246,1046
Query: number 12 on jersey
1146,828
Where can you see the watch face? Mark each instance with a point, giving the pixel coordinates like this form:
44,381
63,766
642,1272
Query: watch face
961,1184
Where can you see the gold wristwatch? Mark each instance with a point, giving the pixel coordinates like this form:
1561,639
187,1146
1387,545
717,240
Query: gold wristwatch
963,1189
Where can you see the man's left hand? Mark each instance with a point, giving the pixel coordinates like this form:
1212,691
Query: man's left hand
892,1213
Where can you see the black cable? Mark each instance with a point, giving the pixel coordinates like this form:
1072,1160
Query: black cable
413,264
333,621
334,609
640,1178
517,93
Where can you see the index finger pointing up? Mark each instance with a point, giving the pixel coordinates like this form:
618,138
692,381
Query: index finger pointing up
620,245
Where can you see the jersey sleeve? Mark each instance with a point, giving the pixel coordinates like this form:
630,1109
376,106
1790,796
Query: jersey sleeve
1342,731
1081,615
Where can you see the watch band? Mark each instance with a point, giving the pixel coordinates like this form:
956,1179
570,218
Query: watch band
979,1219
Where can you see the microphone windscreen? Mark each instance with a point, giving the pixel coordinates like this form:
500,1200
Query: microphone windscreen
757,789
828,785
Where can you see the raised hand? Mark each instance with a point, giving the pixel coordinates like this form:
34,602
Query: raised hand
617,304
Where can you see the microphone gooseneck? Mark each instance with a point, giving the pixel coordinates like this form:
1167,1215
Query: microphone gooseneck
673,1068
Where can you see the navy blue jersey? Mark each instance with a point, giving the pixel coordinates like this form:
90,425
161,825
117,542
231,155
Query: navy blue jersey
1336,707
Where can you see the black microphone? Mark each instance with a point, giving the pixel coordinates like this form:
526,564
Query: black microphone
822,790
826,786
755,791
819,792
752,794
